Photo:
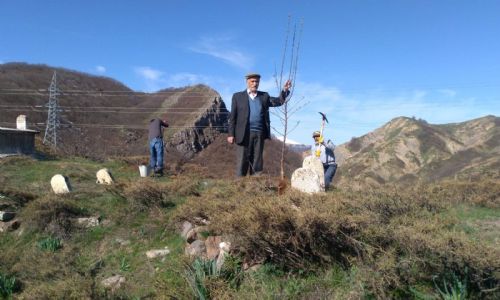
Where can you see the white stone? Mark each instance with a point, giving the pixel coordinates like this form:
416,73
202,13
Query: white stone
186,227
113,282
314,163
196,248
157,253
307,181
88,222
60,184
104,176
224,248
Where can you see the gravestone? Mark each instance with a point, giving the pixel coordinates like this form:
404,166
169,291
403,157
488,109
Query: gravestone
104,176
307,181
60,184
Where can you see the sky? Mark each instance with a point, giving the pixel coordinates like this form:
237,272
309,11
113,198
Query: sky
361,62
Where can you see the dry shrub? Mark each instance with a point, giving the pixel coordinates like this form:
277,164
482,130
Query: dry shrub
183,186
483,193
35,268
399,237
441,252
144,195
52,214
15,198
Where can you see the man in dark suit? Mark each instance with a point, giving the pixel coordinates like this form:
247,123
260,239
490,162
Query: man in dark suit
249,124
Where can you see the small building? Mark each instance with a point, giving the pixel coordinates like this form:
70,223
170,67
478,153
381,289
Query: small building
17,140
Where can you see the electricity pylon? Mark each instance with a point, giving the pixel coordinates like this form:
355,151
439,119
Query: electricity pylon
50,136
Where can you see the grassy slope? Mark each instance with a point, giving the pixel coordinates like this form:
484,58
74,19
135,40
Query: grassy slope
468,213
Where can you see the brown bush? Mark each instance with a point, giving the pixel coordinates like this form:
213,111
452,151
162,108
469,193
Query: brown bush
398,237
144,195
52,214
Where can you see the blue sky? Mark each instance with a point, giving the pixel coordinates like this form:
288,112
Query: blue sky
361,62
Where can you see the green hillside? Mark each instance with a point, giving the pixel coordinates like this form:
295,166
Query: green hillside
401,243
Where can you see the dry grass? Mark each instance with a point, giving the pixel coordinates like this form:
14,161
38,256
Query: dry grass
398,238
52,214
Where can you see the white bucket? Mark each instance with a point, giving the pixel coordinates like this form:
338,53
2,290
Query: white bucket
143,170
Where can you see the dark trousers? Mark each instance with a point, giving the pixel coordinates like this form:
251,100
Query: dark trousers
249,155
329,173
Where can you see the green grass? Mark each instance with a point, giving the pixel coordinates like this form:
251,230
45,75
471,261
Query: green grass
365,244
50,244
480,223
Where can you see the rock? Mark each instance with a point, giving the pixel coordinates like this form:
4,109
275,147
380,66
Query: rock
104,176
194,234
224,248
60,184
307,181
212,245
6,216
157,253
201,220
88,222
122,242
196,248
113,282
186,227
9,226
315,164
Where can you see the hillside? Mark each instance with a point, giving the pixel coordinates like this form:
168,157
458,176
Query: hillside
406,150
96,242
101,117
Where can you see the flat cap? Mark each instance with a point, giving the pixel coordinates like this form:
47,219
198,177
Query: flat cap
252,75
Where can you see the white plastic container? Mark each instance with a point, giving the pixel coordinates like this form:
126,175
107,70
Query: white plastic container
143,170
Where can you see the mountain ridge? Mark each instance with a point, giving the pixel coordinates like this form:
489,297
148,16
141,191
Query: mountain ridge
407,150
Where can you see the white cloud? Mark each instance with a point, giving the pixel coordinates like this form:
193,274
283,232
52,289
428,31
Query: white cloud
100,69
149,73
355,114
222,48
288,140
448,93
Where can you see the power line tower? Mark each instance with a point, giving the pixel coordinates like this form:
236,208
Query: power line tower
53,115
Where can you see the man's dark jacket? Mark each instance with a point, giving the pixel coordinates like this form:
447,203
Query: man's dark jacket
240,113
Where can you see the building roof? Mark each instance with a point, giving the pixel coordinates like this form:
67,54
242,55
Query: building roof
18,130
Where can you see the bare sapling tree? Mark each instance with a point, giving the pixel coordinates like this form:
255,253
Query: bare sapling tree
288,71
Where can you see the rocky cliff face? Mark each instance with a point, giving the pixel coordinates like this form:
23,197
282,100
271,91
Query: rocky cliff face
211,123
409,150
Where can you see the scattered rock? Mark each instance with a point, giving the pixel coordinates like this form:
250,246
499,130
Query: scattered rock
104,176
186,227
196,248
195,234
212,245
201,220
6,216
122,242
157,253
224,248
60,184
113,282
88,222
307,181
9,226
